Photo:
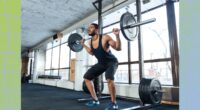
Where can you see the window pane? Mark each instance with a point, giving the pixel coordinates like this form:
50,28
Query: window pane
151,4
48,59
135,73
64,73
121,74
73,55
64,56
155,35
56,42
49,45
65,38
55,57
159,70
54,73
47,72
134,50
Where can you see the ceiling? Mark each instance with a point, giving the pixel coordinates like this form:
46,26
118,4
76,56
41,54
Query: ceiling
41,19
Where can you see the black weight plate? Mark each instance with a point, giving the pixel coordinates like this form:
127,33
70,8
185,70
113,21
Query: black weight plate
74,42
155,92
128,19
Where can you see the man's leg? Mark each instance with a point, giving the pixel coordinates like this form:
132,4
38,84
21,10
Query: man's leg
90,87
92,73
112,90
110,72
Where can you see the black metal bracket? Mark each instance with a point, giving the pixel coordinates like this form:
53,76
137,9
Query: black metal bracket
94,4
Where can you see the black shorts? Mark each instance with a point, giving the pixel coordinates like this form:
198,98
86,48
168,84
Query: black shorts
97,69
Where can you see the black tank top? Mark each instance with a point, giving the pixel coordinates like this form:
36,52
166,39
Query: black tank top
101,55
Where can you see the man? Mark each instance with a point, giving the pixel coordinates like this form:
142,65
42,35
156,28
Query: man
107,62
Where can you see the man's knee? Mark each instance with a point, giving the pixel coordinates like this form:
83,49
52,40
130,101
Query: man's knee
87,80
110,82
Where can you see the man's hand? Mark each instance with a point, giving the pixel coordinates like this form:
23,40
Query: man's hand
82,41
116,31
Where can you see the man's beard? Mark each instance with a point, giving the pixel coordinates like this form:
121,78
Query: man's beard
92,34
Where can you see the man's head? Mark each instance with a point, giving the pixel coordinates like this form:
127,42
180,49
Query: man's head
93,29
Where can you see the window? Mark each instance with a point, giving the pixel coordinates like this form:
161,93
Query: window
159,70
49,45
64,73
155,35
121,74
55,57
48,59
135,73
64,56
54,73
48,72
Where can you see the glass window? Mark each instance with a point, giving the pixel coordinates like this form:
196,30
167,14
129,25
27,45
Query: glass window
159,70
47,72
73,55
49,45
155,35
54,73
56,42
55,57
134,50
64,73
148,4
48,59
121,74
135,73
65,38
64,56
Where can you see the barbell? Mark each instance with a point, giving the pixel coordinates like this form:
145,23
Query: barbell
128,27
150,90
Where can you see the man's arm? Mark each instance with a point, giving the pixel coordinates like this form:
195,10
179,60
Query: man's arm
115,44
88,49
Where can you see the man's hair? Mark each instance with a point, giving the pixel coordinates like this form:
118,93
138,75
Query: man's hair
95,25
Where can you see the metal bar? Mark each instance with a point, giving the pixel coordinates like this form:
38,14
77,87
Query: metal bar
88,99
140,23
129,65
100,23
173,41
145,107
136,24
95,5
146,61
140,41
114,6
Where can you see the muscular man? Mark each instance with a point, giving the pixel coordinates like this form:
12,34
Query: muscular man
107,62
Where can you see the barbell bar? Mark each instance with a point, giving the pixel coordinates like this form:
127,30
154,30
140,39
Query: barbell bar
136,24
128,27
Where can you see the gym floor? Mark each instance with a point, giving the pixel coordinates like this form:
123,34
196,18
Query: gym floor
41,97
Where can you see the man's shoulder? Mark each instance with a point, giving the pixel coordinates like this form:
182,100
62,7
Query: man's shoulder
106,36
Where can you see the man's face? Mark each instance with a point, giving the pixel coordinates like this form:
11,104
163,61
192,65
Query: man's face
91,30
